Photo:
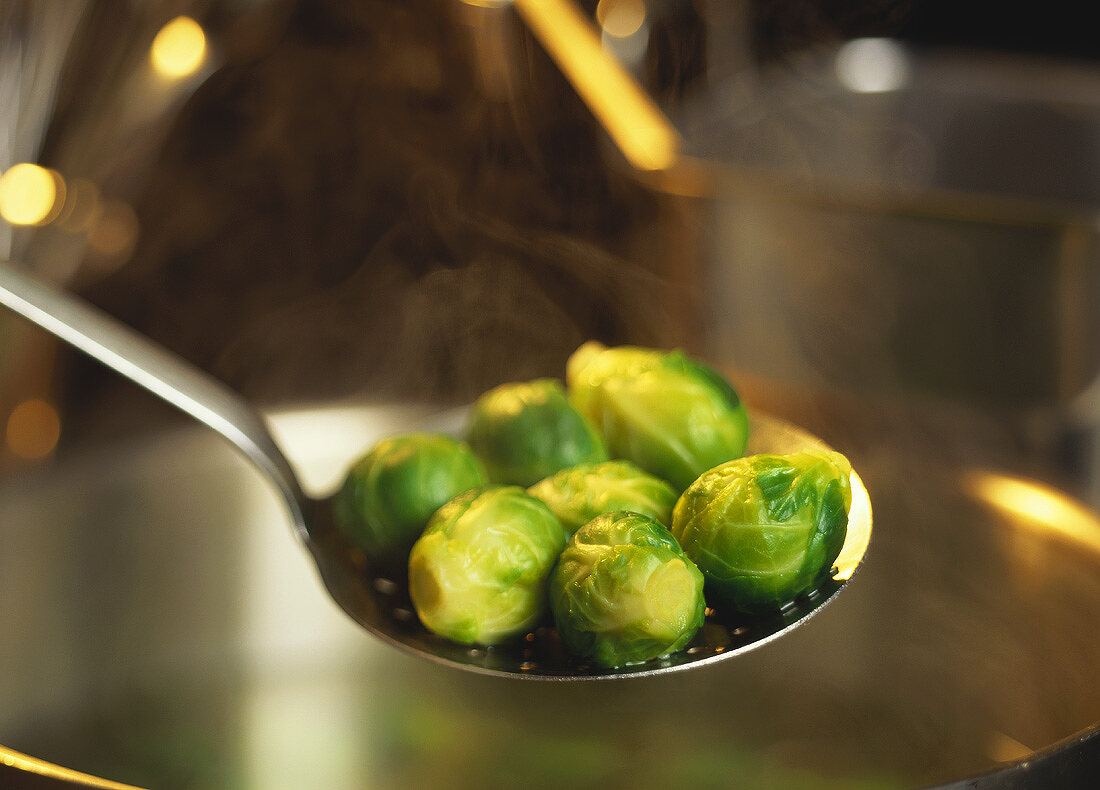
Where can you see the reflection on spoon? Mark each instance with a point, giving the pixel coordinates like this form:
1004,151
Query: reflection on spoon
23,765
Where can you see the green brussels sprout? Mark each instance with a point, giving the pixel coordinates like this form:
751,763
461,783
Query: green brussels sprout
669,414
765,528
390,493
624,592
580,493
478,573
526,431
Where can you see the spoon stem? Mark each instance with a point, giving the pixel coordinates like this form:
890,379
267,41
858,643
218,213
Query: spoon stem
157,370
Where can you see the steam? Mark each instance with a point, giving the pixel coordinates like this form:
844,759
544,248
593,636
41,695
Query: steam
448,303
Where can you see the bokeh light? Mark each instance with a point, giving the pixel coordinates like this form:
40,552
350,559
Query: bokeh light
643,133
620,18
178,48
29,193
872,65
33,429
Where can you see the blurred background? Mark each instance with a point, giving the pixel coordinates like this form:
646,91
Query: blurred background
879,218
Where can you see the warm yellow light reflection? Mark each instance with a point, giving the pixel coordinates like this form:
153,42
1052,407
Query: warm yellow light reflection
620,18
33,429
1006,749
487,3
859,531
60,192
1036,506
23,762
179,47
637,126
28,194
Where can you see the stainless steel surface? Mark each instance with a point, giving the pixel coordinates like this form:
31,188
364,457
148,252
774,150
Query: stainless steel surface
951,208
178,641
381,605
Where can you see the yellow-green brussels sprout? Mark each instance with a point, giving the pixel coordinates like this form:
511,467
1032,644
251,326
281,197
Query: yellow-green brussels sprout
669,414
528,430
623,591
580,493
765,528
478,573
390,493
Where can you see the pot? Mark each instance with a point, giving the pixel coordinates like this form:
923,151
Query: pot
161,627
180,639
931,236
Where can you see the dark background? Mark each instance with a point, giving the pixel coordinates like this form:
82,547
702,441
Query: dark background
340,211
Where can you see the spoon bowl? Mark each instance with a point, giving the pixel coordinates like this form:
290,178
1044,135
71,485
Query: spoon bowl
380,602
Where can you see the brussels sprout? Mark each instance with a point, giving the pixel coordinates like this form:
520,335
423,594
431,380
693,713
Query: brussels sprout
580,493
763,529
390,493
478,573
526,431
672,416
624,592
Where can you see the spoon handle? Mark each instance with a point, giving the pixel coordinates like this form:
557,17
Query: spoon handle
156,369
